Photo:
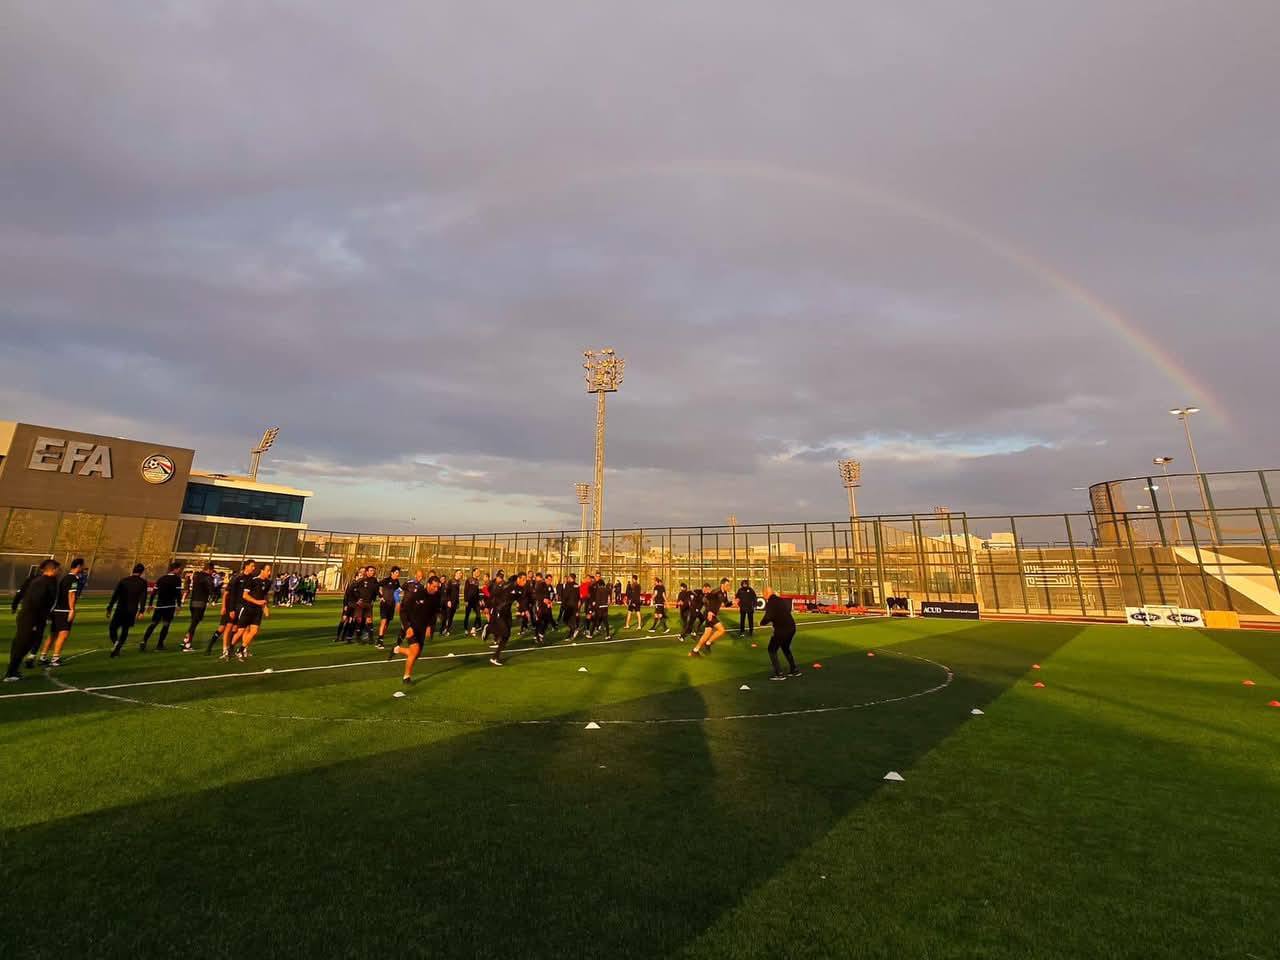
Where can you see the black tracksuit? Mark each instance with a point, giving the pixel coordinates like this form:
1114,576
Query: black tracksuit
684,600
569,606
501,600
202,591
418,612
659,606
777,611
34,602
165,600
600,611
471,597
128,599
746,598
449,606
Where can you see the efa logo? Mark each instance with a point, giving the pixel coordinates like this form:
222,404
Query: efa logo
158,468
55,455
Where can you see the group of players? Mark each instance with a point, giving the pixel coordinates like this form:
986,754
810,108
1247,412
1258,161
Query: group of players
425,606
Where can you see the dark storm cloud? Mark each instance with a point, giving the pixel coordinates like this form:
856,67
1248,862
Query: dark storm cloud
814,231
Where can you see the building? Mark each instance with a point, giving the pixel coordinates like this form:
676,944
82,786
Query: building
65,493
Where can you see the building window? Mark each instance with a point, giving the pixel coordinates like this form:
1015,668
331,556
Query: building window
209,501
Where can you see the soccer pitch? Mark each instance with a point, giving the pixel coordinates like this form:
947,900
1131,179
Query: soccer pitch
1127,808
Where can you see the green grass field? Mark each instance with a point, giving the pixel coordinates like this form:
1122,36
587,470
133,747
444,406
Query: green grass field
1127,809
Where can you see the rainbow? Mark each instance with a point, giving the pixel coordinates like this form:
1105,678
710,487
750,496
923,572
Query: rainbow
1191,390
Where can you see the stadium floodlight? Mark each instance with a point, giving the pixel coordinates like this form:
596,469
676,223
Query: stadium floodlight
265,444
851,477
1184,414
1163,464
604,376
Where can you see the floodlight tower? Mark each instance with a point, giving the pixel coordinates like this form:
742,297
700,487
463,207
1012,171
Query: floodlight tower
583,490
255,455
1163,464
851,477
604,376
1185,414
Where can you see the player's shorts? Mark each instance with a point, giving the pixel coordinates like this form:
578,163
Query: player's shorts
499,629
420,628
162,615
249,616
660,609
711,619
388,610
362,608
61,622
228,616
634,606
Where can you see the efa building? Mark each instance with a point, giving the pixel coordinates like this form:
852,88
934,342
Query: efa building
114,501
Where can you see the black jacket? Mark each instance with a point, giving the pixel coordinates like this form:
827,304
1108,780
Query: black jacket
129,597
36,597
746,598
777,611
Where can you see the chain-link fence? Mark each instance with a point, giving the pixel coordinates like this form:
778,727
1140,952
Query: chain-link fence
1083,564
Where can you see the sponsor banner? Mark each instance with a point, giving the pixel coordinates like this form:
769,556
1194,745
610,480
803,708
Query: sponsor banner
1163,616
949,609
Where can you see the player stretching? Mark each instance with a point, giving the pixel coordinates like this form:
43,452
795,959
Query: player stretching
659,606
418,611
253,607
713,600
777,612
635,604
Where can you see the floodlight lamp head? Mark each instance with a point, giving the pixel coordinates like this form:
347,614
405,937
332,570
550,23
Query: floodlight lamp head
1162,461
268,439
583,490
850,472
604,370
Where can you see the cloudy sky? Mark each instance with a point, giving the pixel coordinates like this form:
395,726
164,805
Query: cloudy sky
982,246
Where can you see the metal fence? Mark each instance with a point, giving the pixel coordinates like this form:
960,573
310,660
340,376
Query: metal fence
1083,564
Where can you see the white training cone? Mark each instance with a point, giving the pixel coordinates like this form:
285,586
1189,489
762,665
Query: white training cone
894,776
268,670
592,726
744,687
398,694
452,654
582,669
977,713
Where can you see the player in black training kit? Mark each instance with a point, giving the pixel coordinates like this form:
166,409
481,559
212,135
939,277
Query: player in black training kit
684,603
504,596
569,605
777,611
127,601
600,610
389,589
451,592
543,608
201,592
64,614
165,599
253,608
659,606
418,611
471,597
713,601
230,608
367,588
348,612
635,603
697,615
746,598
33,603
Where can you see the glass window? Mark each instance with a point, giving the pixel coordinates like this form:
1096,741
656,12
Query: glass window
205,500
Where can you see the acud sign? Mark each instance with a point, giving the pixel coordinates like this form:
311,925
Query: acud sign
84,459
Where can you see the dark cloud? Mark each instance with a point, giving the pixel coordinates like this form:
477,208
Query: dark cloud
840,229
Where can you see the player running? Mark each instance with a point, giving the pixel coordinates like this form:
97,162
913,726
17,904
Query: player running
659,606
390,591
127,601
777,611
198,597
418,611
165,598
504,596
64,613
254,603
713,600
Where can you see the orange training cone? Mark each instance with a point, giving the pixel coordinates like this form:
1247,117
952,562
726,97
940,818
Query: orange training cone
1039,684
1035,666
817,666
870,654
1250,683
1274,703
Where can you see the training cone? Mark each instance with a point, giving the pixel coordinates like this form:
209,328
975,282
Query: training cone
1037,684
1035,666
452,654
817,666
754,645
744,687
870,653
1249,683
895,776
1274,703
592,726
268,670
582,669
399,695
977,713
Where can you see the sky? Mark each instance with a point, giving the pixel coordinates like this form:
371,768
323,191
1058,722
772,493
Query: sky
983,247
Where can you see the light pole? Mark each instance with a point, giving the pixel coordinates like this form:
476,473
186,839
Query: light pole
1163,464
604,375
851,477
1185,414
733,546
583,490
255,455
